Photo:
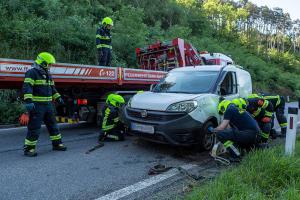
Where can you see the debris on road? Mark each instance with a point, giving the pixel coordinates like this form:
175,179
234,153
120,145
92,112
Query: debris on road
158,169
95,148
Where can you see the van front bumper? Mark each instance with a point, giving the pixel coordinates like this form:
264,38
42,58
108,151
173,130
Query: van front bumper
174,128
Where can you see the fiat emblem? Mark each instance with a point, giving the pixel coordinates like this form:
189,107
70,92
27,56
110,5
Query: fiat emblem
144,113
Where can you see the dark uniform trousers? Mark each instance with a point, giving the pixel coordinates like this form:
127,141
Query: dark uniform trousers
244,139
43,112
104,56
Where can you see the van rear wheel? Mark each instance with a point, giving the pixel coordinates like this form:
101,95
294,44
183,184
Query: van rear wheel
206,140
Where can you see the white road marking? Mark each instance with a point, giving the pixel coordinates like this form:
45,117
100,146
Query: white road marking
143,184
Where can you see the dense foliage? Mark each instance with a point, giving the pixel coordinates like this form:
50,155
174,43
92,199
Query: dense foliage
265,41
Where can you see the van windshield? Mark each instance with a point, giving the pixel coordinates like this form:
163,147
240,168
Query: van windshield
190,82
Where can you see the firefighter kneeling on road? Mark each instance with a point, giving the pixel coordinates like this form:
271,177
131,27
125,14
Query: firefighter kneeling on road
39,91
238,129
112,127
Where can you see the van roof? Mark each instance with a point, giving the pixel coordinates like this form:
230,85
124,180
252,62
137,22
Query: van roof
200,68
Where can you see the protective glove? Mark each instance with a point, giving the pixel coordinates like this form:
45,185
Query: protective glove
29,107
210,129
266,119
60,101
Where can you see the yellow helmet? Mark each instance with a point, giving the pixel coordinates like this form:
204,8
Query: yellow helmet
45,59
223,106
115,100
107,21
240,103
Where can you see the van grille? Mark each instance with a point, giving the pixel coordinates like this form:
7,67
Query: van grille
156,116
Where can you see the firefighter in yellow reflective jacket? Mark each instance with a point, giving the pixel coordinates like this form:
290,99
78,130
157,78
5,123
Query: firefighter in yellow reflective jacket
261,110
112,127
39,91
278,103
103,42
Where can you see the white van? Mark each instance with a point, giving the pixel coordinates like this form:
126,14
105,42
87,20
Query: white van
181,107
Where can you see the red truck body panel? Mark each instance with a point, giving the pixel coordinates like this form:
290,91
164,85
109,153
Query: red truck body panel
65,75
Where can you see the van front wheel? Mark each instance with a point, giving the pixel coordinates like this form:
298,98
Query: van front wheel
206,140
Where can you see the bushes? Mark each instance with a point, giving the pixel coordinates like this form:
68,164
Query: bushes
10,107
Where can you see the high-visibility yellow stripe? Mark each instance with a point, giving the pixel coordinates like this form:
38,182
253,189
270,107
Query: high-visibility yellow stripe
265,135
104,46
228,144
106,128
27,96
29,80
30,143
56,95
266,103
268,114
55,137
112,137
274,97
283,125
102,37
256,113
41,99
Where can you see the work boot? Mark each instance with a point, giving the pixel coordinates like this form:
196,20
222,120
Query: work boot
29,152
59,147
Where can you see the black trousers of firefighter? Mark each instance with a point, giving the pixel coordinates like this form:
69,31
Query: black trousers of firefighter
43,112
245,139
282,121
104,56
115,134
265,130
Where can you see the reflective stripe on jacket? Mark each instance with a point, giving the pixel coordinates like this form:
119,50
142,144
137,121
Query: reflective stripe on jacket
103,38
39,86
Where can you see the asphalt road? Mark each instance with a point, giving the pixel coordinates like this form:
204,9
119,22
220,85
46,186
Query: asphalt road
75,175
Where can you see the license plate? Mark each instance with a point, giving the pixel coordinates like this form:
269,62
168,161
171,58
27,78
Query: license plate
142,128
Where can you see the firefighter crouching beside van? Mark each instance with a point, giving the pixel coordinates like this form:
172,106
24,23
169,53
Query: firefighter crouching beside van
112,127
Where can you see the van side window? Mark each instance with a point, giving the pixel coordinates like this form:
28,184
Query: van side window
229,84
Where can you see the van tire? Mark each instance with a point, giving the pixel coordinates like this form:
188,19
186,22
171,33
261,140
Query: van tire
206,139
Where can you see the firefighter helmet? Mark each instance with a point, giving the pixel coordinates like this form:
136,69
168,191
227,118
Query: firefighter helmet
107,21
240,103
115,100
45,59
223,106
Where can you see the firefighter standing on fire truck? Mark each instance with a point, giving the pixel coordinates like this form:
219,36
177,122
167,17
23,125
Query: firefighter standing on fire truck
112,127
39,91
103,42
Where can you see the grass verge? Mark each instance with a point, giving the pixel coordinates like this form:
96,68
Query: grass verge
262,175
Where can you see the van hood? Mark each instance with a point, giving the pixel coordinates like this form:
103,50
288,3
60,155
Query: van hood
159,101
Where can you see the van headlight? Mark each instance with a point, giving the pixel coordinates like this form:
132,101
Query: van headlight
184,106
